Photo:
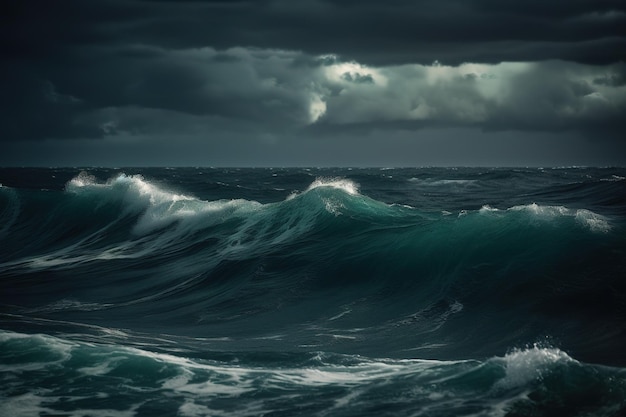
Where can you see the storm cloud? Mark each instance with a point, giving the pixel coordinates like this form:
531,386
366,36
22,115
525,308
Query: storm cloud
284,70
372,32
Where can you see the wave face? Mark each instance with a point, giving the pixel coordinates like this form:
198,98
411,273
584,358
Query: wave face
204,291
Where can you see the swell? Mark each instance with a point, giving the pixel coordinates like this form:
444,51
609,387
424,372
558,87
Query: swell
48,375
325,267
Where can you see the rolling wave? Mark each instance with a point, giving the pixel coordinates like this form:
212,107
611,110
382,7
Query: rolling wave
328,251
538,381
304,291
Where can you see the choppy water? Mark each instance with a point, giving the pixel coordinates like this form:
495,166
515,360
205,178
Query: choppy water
339,292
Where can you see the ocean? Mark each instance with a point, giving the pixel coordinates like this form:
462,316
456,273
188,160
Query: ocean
313,292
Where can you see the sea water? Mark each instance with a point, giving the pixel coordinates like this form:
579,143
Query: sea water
313,291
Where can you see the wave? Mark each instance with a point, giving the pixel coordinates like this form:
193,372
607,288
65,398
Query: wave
312,265
533,381
143,208
155,207
160,207
595,222
128,217
250,292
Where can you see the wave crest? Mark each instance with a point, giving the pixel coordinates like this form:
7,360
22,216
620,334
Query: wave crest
593,221
522,366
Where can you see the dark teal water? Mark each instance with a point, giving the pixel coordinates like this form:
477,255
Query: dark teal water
330,292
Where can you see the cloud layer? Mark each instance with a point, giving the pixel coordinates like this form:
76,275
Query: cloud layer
372,32
312,68
132,89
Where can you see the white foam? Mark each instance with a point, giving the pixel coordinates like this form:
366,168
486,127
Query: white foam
527,365
542,211
62,350
343,313
234,380
191,409
67,304
149,190
595,222
225,380
26,405
161,207
178,381
135,185
158,206
443,182
337,183
614,178
187,212
209,387
488,209
83,179
102,368
453,182
336,336
333,207
6,336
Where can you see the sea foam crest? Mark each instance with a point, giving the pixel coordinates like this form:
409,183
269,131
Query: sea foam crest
331,205
595,222
338,183
159,207
54,350
136,184
523,366
83,179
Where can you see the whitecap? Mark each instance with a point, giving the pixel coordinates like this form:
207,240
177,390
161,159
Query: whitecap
595,222
338,183
523,366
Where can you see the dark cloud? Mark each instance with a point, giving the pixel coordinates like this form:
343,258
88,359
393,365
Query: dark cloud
616,78
310,69
33,107
290,91
262,86
372,32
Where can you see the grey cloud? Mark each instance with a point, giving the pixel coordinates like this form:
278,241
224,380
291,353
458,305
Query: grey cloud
372,32
547,96
98,68
358,78
132,89
615,78
264,86
243,84
33,107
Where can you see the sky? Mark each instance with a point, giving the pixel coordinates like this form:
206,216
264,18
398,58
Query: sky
313,83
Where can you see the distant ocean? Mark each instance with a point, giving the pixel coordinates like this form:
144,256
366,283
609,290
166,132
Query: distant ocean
312,292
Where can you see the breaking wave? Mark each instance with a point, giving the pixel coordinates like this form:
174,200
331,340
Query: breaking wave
220,300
